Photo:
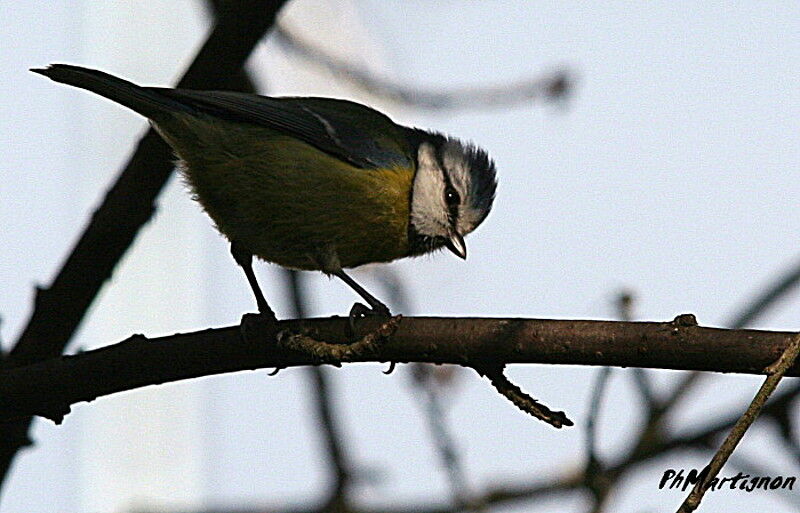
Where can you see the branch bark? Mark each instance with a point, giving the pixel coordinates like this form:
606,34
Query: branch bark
127,207
49,387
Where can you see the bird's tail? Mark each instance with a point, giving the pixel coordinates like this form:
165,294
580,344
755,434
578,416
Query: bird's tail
144,100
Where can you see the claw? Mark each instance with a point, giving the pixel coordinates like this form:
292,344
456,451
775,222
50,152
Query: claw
361,311
390,369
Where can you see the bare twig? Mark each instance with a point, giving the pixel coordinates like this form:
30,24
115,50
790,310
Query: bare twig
520,399
776,372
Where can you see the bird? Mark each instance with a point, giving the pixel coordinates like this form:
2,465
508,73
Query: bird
311,183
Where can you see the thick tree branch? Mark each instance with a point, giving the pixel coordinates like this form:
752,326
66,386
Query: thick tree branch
128,205
48,388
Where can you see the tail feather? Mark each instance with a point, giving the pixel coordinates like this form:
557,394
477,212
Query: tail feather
144,100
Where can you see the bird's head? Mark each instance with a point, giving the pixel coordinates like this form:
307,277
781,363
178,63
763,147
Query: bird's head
452,193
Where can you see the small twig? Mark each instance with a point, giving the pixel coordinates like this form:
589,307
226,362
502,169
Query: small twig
775,372
520,399
326,352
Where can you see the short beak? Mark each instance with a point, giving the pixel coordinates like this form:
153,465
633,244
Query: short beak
456,244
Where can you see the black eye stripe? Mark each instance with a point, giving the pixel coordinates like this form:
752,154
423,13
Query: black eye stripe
451,197
452,200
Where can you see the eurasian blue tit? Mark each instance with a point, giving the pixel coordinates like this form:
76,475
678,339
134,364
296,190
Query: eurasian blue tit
311,183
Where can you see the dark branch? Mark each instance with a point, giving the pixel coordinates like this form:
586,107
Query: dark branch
127,207
49,387
520,399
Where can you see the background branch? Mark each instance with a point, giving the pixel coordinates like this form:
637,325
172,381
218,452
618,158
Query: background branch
127,207
556,86
340,466
776,373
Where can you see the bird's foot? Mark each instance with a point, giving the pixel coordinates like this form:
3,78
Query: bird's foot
257,322
259,327
361,311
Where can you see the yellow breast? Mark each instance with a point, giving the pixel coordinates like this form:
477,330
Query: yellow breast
292,204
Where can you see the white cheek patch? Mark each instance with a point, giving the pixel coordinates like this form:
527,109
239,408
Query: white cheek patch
428,209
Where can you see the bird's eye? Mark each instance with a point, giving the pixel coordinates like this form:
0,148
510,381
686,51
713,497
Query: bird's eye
451,197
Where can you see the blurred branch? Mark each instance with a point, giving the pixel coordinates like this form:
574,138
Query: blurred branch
340,466
556,86
762,303
128,205
48,388
595,478
494,495
653,442
425,377
432,381
781,286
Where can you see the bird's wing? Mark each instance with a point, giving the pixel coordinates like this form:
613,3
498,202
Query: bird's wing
349,131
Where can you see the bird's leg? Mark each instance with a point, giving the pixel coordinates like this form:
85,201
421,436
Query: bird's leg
359,310
244,258
304,340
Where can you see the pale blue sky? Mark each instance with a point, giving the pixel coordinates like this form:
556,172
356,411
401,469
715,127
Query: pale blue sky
673,172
